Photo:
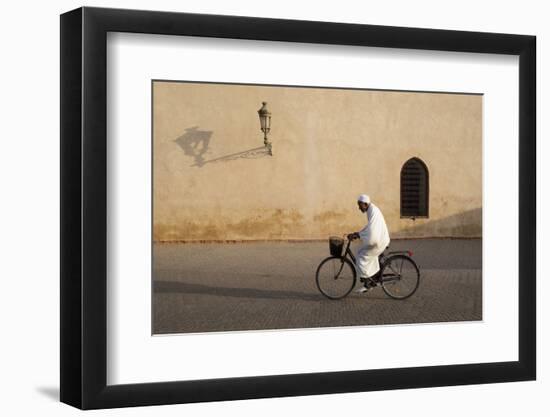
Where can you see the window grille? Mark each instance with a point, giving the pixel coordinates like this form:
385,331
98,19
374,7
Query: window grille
414,189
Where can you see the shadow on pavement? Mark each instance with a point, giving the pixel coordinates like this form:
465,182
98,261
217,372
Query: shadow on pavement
182,287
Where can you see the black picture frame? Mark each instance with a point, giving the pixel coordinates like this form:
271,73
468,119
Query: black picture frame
84,207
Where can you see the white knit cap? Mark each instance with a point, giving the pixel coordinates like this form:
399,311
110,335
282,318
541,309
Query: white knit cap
363,198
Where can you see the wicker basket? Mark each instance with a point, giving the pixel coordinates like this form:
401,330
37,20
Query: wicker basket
336,245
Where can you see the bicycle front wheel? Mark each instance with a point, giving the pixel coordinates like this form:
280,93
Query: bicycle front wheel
400,277
335,277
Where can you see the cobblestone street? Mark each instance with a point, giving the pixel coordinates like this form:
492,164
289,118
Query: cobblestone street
253,286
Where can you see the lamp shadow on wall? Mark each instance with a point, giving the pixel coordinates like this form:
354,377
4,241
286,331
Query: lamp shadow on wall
196,144
465,224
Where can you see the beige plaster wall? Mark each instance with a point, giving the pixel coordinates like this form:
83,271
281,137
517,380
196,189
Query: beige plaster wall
213,181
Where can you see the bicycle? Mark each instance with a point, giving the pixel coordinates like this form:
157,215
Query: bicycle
336,275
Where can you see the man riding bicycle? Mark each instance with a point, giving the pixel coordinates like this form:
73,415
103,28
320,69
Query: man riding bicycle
374,238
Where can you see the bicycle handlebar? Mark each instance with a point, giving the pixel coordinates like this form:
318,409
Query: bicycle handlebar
346,236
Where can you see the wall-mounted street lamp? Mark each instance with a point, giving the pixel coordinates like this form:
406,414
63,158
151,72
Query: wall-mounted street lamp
265,124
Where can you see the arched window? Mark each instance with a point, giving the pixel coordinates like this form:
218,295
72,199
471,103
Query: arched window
415,188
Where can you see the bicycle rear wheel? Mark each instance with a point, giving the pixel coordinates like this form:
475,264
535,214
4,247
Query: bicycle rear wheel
335,277
400,277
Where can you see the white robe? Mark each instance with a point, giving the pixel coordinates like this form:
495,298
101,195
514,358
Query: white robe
374,239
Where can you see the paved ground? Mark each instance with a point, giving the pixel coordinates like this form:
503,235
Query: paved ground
223,287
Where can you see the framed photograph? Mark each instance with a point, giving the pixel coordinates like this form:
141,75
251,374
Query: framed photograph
257,208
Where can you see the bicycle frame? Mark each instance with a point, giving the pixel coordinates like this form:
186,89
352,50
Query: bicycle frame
390,272
381,259
349,253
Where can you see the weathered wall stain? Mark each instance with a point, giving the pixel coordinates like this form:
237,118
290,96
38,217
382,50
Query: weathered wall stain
276,223
329,216
291,225
465,224
265,224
